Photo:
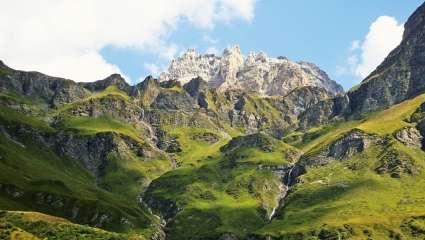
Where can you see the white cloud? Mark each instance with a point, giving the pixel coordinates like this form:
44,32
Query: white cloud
64,37
384,35
153,69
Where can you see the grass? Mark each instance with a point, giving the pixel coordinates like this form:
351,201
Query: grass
381,123
351,192
33,168
335,194
4,72
112,92
15,97
215,191
92,125
33,225
194,150
393,118
223,192
129,175
10,116
215,200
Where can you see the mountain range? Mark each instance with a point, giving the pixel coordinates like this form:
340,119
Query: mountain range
219,147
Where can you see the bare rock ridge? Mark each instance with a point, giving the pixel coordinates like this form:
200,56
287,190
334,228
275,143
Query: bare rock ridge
256,72
400,76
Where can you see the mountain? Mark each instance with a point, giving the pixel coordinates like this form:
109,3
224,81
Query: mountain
182,159
254,73
400,76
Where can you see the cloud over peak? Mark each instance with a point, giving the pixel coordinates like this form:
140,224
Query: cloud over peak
64,37
384,35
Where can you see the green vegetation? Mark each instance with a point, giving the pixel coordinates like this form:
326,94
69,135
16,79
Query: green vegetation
33,225
4,72
225,191
195,149
11,117
394,118
29,168
92,125
111,91
217,181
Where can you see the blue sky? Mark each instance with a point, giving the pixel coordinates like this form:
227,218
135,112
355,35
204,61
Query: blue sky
89,40
312,30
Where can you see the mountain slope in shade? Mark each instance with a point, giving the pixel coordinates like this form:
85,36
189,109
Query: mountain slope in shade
400,76
253,73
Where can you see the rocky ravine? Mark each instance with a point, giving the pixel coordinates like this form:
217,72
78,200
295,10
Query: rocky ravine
256,72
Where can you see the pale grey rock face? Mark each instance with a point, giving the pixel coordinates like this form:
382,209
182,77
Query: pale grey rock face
253,73
410,137
353,142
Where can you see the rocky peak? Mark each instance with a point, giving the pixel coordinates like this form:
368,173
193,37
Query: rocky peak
147,90
114,79
53,91
400,76
254,73
415,22
195,86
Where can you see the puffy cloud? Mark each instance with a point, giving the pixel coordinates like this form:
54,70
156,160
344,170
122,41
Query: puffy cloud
153,68
383,36
64,37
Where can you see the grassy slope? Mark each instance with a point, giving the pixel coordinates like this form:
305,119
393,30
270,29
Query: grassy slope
90,125
226,193
126,175
219,192
34,225
351,192
32,167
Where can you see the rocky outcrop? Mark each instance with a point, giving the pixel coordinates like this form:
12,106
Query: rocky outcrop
170,100
198,89
352,142
92,150
324,112
396,163
254,73
400,76
115,79
259,140
206,137
51,90
409,136
91,212
300,99
112,106
167,143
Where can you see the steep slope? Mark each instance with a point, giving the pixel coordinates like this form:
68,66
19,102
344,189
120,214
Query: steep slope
34,226
361,180
256,72
233,156
400,76
232,190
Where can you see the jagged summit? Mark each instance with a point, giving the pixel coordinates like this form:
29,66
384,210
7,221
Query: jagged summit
255,72
113,79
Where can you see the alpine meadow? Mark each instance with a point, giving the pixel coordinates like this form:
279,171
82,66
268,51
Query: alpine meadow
219,146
